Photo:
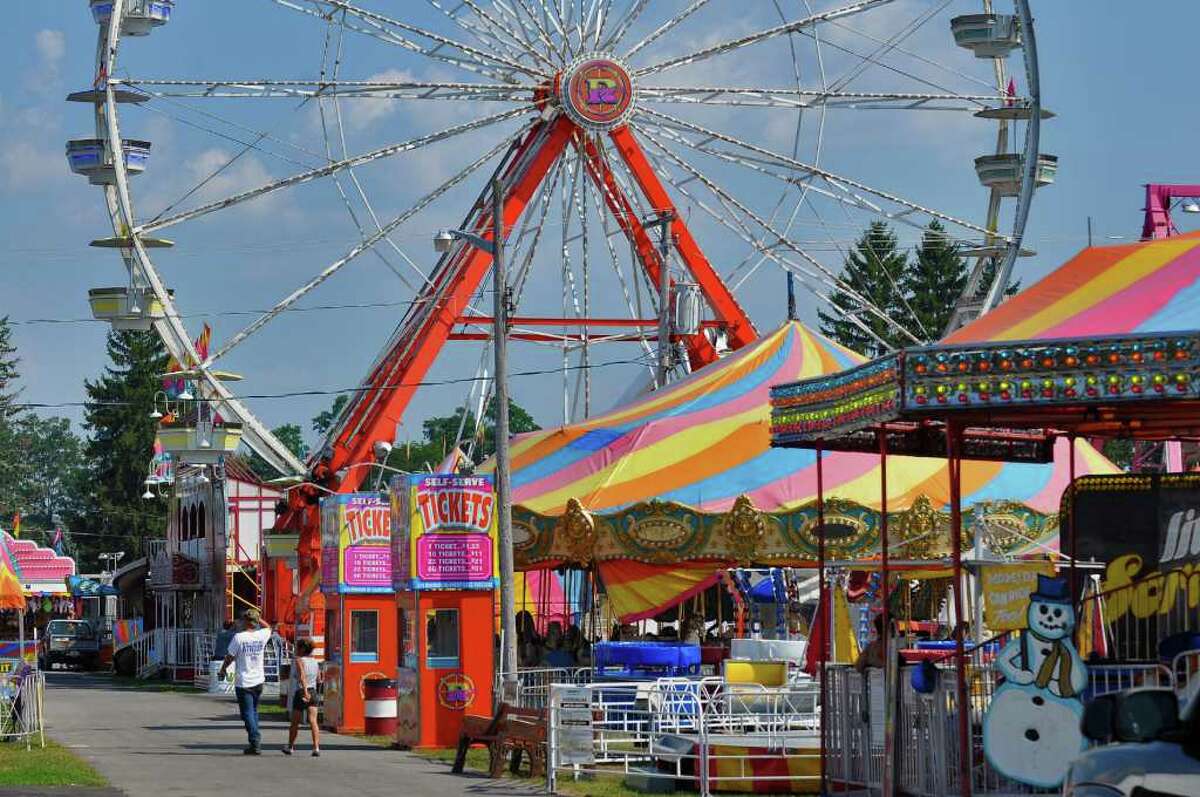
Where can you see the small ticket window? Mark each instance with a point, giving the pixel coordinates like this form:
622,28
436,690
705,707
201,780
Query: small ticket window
441,638
364,636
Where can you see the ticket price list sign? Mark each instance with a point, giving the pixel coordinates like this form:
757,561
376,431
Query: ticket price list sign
356,549
444,534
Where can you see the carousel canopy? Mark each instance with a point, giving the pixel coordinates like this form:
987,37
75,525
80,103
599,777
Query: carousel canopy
664,492
1106,345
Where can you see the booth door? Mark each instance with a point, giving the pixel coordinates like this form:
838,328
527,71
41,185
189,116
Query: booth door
455,662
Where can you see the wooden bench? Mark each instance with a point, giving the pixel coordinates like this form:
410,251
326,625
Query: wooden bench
512,731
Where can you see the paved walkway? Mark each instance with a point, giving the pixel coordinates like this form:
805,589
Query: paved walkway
164,744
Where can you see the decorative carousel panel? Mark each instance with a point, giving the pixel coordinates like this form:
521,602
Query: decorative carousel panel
844,401
851,530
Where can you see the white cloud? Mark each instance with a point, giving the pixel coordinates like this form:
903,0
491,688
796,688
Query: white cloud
245,173
51,46
362,113
25,165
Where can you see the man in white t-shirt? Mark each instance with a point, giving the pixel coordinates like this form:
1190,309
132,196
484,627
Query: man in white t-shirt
247,649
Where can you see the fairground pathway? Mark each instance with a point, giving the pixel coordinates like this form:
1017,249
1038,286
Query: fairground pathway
164,744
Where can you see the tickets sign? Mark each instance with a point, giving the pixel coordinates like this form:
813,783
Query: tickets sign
356,544
444,532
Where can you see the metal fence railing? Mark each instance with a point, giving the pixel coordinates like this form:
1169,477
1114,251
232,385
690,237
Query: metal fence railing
533,683
22,704
710,735
205,667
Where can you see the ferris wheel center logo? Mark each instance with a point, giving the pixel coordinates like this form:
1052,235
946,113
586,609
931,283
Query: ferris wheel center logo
598,93
456,691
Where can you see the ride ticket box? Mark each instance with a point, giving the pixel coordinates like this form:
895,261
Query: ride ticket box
360,614
444,564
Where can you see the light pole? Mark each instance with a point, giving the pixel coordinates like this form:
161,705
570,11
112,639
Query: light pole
663,222
442,242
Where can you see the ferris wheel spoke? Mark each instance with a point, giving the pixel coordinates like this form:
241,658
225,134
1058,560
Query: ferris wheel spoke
332,168
811,169
307,89
392,31
729,218
359,248
498,27
626,20
662,29
535,23
778,238
760,36
800,98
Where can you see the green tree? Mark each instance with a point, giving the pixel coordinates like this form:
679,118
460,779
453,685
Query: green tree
323,421
291,436
120,446
441,432
874,269
933,281
55,470
8,370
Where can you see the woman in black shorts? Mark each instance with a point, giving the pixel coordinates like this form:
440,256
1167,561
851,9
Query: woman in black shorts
304,700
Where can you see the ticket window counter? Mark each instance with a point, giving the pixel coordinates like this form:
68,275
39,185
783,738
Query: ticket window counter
446,666
361,637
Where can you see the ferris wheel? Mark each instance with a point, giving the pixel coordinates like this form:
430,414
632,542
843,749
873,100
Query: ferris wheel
643,149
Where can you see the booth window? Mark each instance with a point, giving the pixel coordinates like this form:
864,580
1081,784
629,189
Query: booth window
441,635
364,636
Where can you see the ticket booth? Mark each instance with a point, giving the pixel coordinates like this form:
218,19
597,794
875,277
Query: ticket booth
444,560
360,606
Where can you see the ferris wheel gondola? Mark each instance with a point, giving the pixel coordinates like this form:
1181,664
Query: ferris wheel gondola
604,119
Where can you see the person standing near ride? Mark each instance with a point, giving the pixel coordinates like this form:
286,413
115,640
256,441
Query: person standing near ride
304,699
247,649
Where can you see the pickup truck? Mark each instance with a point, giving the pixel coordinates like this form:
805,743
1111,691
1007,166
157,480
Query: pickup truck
73,642
1147,747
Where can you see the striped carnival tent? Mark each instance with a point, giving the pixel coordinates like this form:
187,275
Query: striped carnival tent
704,443
1151,286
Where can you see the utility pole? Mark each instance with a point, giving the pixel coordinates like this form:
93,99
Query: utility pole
508,606
663,222
791,296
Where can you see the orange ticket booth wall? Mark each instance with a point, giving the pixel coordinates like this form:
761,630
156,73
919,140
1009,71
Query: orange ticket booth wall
360,606
444,565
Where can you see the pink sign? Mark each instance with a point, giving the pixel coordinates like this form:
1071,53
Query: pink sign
368,566
454,557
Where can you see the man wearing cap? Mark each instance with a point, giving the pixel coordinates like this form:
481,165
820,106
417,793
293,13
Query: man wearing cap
247,649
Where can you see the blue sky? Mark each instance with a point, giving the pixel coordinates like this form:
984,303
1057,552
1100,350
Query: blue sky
1119,78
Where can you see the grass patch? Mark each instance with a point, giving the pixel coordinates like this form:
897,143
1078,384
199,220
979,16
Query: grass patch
53,765
151,685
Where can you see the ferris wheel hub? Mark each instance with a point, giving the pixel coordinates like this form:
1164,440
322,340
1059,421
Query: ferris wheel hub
597,91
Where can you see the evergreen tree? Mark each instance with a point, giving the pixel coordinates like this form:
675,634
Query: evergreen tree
933,282
117,415
8,370
874,269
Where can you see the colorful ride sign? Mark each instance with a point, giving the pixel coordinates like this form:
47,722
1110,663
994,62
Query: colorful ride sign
444,532
356,544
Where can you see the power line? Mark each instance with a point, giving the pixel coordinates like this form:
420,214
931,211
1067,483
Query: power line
334,392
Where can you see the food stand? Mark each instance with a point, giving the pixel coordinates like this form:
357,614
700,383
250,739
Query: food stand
444,565
356,578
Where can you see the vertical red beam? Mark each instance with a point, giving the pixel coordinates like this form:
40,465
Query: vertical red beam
823,610
700,351
1071,525
738,325
953,442
889,731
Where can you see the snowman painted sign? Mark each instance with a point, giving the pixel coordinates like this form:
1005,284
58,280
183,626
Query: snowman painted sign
1031,730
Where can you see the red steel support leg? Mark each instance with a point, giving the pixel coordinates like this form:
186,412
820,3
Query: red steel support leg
700,351
953,442
1071,527
737,324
